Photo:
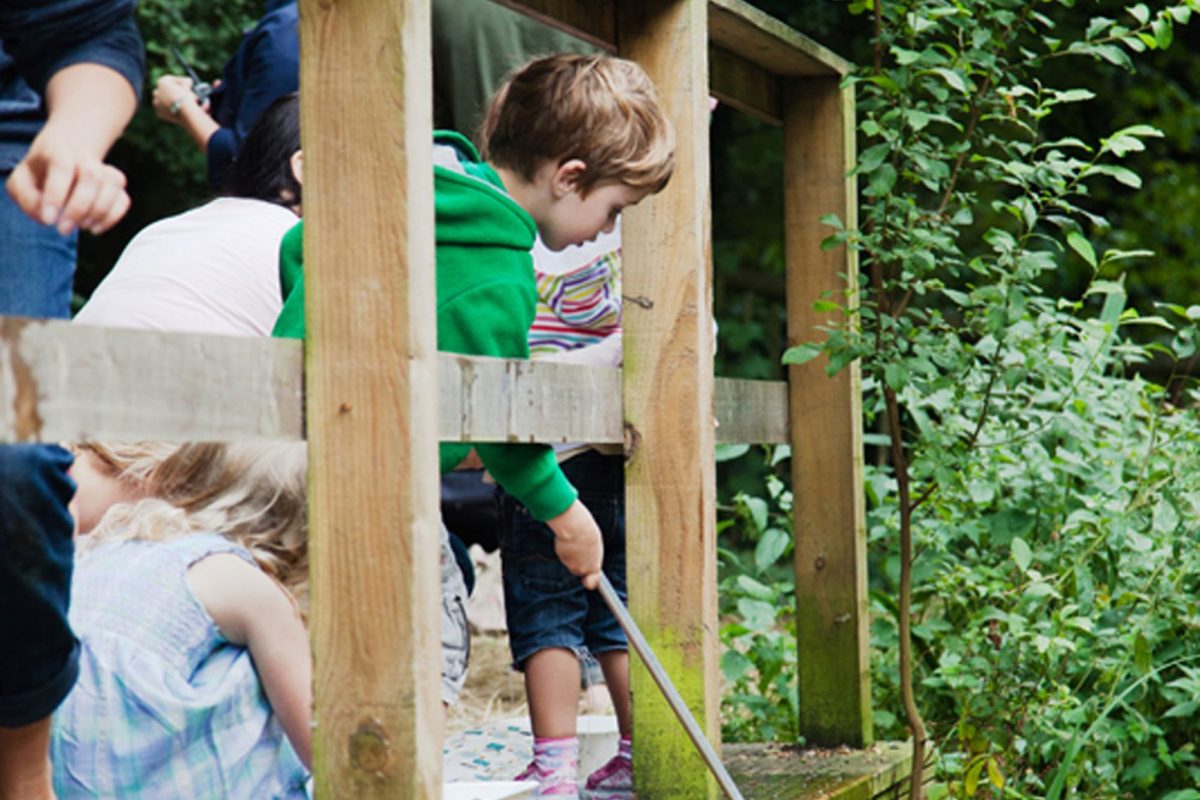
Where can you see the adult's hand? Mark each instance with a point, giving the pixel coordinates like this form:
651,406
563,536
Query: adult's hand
176,103
170,95
578,543
63,179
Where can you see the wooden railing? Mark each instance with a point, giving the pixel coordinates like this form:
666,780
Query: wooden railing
371,386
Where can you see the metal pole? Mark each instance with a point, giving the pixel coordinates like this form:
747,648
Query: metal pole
668,689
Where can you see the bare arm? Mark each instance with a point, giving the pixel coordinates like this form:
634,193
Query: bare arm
63,179
252,609
175,102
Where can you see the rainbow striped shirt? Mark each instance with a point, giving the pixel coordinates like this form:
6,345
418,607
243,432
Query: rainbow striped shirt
577,308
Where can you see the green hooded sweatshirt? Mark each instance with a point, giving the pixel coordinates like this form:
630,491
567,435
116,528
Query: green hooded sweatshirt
486,298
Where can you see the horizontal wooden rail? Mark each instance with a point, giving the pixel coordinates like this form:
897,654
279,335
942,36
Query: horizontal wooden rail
63,382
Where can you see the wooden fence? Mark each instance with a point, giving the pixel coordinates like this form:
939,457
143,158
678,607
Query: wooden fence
371,385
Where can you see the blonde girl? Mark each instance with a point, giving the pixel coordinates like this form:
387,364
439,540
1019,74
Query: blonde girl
195,670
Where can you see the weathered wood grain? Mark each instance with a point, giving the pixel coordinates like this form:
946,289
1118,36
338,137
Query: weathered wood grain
826,414
743,30
63,382
670,479
744,85
366,100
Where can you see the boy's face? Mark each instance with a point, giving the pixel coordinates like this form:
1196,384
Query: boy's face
571,218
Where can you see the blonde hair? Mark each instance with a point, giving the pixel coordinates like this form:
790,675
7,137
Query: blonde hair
251,493
599,109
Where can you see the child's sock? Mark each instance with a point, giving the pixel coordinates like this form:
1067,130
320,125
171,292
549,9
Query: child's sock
614,781
554,766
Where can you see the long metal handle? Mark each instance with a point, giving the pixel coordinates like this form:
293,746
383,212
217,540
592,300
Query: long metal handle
668,689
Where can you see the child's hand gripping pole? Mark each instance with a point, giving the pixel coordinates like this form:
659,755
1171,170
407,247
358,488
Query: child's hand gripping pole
667,688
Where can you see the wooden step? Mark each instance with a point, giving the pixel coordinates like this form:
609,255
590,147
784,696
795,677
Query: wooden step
786,772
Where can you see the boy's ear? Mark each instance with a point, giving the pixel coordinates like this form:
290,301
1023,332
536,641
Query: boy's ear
566,178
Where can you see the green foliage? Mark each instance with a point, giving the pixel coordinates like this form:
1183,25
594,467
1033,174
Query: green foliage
1050,485
758,607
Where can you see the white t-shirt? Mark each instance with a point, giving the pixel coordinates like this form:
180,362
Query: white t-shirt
214,269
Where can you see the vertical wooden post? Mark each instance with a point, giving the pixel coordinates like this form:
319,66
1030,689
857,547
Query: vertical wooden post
826,424
668,395
371,396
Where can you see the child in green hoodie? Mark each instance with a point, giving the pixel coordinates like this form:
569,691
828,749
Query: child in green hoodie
568,142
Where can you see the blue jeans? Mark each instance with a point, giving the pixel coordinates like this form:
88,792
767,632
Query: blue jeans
38,652
37,265
545,605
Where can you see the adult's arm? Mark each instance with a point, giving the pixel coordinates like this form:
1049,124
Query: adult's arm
87,60
63,179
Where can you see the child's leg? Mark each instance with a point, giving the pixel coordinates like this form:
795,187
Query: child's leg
615,664
545,606
552,686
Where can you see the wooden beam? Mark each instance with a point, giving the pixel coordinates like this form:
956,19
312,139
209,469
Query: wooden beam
744,85
670,492
593,21
743,30
751,412
366,117
63,382
827,450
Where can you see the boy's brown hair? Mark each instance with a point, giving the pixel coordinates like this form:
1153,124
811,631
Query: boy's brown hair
599,109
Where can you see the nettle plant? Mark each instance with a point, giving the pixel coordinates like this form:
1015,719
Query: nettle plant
1033,525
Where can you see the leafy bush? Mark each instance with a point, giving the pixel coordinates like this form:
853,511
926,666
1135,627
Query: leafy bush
1038,493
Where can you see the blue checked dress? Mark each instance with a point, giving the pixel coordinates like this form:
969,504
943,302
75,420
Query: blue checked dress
165,707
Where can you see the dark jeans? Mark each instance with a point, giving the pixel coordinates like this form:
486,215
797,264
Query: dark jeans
38,653
545,604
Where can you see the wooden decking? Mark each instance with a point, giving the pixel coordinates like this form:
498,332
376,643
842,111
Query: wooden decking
784,772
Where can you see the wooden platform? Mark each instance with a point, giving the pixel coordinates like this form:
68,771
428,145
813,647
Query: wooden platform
783,772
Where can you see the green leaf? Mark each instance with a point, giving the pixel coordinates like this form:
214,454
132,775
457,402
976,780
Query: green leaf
801,353
1143,657
1083,247
1140,12
1021,554
952,77
734,665
728,452
770,547
971,779
882,180
757,507
994,774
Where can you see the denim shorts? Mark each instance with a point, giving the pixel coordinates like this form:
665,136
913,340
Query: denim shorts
39,657
546,606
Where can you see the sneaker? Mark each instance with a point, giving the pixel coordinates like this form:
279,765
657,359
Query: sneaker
549,785
613,781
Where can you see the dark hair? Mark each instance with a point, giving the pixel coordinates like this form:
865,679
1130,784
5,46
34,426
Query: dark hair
262,168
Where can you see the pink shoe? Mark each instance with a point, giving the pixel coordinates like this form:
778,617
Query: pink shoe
549,784
613,781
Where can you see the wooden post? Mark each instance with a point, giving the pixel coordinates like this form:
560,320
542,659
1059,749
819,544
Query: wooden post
826,424
371,397
668,391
